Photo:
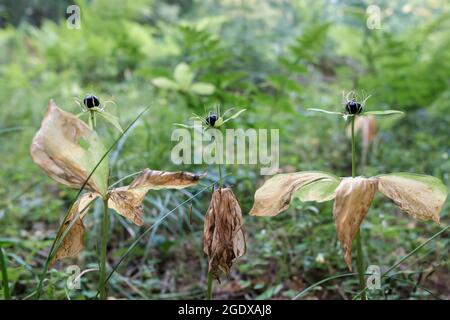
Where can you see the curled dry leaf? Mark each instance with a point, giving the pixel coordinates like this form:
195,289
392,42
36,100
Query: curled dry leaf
353,199
223,236
127,201
68,151
277,192
72,243
420,196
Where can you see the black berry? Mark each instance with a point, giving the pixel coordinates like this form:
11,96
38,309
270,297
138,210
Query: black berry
211,119
91,101
353,107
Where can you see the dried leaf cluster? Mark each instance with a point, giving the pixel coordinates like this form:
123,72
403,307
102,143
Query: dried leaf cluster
420,196
223,236
69,151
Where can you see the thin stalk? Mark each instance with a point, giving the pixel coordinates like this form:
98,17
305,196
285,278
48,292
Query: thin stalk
3,266
209,287
359,249
92,120
105,229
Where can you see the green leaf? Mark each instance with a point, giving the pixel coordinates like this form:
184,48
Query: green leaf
319,191
234,116
383,112
164,83
183,76
325,111
111,119
202,88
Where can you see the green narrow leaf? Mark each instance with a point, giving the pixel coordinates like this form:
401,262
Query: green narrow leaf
234,116
164,83
202,88
325,111
111,119
383,112
183,76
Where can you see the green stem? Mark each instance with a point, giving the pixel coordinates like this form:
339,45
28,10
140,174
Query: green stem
92,120
220,175
359,248
5,281
104,243
210,278
209,287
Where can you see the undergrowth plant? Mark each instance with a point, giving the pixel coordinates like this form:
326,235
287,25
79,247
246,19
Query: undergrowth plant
421,196
72,153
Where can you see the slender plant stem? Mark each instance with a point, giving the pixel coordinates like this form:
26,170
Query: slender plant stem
3,267
209,287
359,249
105,228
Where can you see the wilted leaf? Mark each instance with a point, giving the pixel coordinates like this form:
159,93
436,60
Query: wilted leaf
72,243
67,150
421,196
353,199
183,75
127,201
276,194
223,237
202,88
165,83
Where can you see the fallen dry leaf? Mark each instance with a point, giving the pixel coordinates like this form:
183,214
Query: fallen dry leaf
68,150
353,199
223,236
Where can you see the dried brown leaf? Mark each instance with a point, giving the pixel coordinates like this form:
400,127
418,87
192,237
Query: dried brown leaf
127,201
72,243
420,196
223,236
277,192
353,199
68,150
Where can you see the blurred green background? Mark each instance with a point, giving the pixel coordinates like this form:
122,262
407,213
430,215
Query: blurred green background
274,58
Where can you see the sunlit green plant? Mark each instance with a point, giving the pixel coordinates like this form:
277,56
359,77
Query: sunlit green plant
183,80
73,154
420,196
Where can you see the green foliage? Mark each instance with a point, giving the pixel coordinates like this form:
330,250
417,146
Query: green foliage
275,59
